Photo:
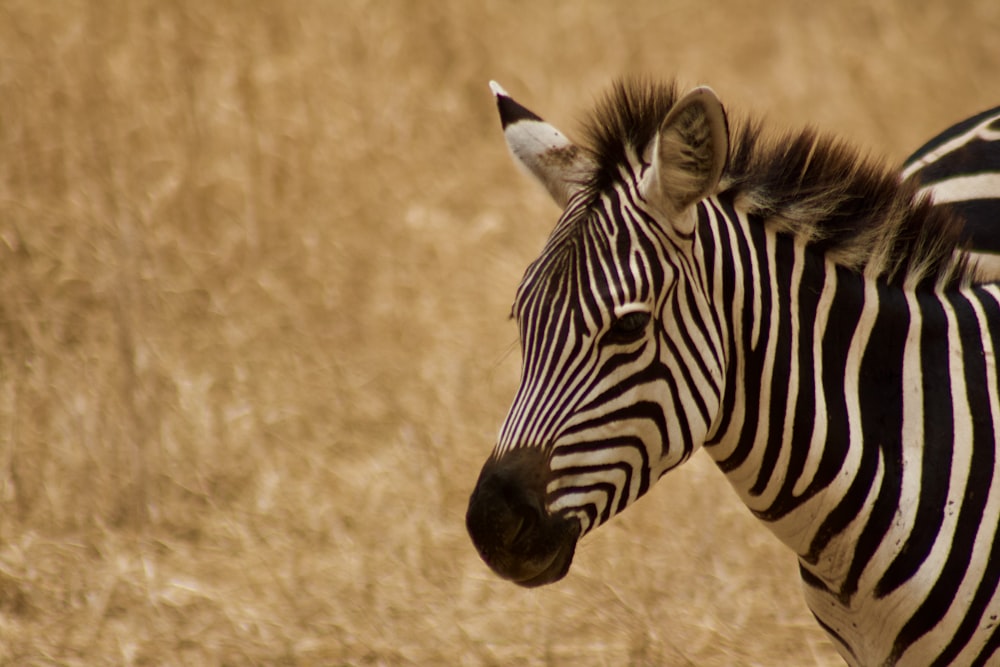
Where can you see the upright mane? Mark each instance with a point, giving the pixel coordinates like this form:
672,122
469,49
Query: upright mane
849,206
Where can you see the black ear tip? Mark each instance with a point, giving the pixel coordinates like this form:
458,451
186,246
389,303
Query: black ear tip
510,111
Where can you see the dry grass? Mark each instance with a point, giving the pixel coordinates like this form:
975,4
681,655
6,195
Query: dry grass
255,265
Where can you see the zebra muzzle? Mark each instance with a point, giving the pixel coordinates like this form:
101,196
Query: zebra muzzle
510,527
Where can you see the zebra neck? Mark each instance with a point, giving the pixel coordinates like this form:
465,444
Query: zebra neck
846,422
791,419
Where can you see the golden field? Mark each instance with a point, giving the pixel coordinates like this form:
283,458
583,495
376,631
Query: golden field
256,261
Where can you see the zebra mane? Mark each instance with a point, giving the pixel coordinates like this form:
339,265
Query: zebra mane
849,206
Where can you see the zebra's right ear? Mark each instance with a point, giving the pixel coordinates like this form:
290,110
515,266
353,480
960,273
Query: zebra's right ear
546,153
688,155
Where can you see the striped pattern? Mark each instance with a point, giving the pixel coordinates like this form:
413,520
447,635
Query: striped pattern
878,477
602,462
962,163
960,170
848,390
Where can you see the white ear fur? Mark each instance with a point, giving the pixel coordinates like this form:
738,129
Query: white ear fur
688,156
545,152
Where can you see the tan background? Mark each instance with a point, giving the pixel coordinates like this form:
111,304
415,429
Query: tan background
255,266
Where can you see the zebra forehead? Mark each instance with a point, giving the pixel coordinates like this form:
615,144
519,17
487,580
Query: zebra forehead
553,276
587,294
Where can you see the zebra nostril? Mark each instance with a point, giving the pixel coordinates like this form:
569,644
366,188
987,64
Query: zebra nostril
528,519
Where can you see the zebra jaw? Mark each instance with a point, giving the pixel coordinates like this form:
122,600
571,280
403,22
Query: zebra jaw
510,527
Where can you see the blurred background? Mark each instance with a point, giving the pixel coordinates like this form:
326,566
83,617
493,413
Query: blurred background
256,261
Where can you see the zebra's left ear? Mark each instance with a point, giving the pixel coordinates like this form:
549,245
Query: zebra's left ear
688,156
558,164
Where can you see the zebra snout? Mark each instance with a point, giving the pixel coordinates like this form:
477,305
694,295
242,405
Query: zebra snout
510,527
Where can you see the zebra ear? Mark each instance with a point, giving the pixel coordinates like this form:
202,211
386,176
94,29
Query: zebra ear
546,153
688,155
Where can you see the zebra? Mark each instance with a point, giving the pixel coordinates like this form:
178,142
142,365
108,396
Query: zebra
960,168
797,310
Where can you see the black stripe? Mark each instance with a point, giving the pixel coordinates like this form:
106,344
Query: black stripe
629,442
542,336
709,257
678,413
881,398
849,506
845,311
591,511
610,508
977,490
642,410
728,276
981,222
754,366
809,579
784,263
992,646
622,245
835,636
590,300
693,321
675,353
936,464
974,157
936,452
844,316
804,419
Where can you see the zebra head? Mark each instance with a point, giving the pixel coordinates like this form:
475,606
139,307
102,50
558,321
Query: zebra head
622,367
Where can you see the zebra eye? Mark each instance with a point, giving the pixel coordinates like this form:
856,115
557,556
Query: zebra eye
628,328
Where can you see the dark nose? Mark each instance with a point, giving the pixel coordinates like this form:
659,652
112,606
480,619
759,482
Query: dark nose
509,525
504,509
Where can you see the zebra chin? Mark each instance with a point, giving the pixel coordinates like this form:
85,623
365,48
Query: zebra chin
510,527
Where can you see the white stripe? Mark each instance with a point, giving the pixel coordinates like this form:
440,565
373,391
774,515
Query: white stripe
818,442
980,186
933,565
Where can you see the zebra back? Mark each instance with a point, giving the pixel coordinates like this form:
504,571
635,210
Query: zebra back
960,170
